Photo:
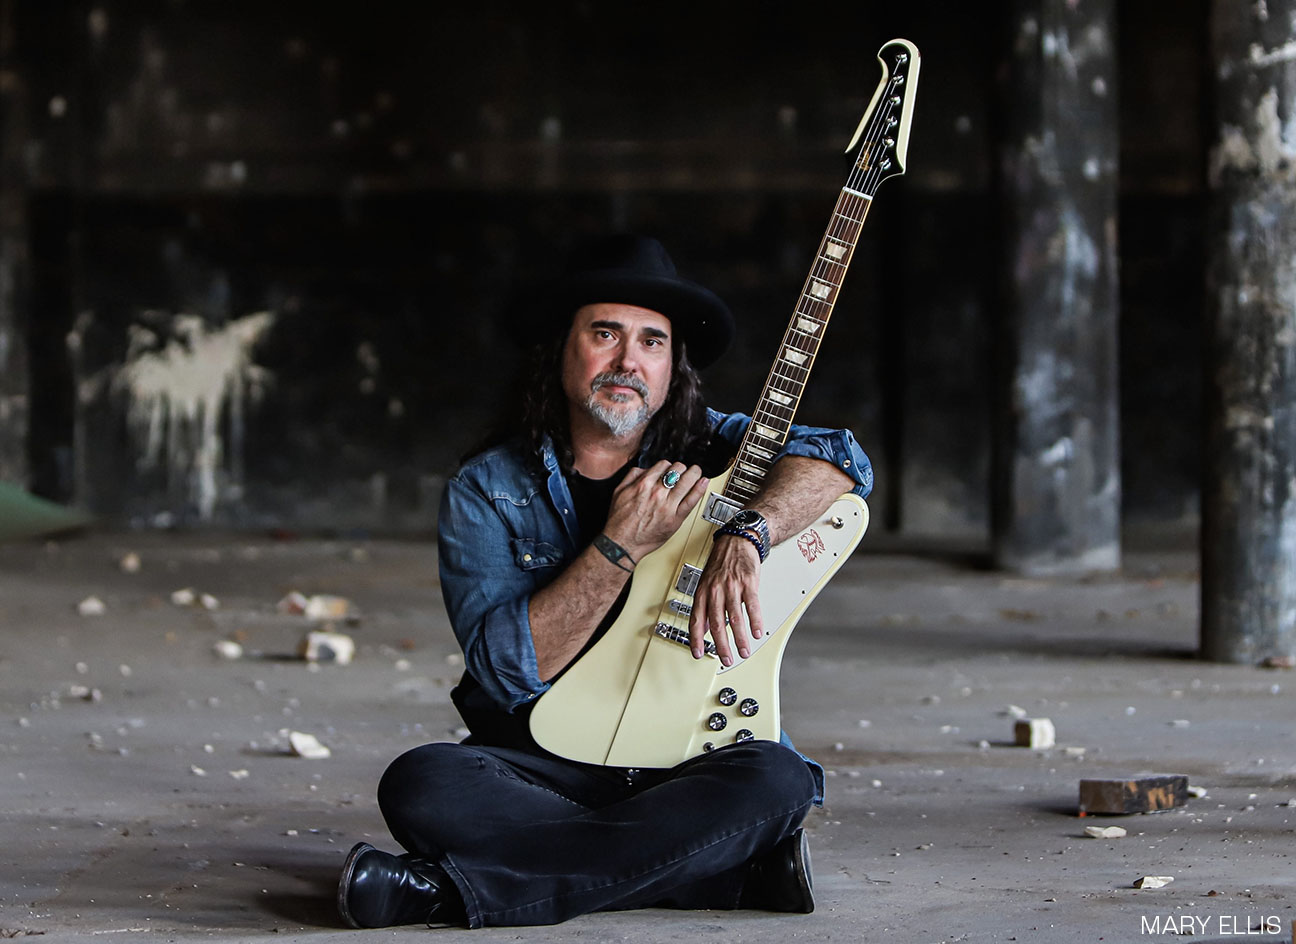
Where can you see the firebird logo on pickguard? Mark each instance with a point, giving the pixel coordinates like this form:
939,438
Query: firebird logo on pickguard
810,545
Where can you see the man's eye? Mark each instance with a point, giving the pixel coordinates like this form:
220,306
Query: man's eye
654,342
602,333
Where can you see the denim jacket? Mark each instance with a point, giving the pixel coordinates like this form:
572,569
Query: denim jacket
503,534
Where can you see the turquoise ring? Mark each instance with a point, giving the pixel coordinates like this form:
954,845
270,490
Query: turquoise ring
670,478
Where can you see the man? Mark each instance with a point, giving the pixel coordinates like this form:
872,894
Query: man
538,538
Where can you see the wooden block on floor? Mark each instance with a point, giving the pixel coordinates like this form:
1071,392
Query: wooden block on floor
1141,793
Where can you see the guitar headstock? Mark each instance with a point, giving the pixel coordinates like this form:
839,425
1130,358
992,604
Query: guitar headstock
883,132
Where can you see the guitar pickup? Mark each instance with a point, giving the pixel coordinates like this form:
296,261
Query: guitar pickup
675,634
688,579
682,608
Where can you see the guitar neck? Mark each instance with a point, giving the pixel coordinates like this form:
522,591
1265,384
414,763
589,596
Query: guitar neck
779,399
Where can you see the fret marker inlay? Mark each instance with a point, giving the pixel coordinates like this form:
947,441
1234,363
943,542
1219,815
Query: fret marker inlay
767,432
820,290
794,356
807,326
836,251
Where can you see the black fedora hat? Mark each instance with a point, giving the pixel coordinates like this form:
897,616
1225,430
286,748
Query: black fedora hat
634,270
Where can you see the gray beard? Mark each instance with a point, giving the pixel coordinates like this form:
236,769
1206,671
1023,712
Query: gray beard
619,422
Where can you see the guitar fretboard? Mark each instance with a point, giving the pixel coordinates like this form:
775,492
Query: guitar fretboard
781,395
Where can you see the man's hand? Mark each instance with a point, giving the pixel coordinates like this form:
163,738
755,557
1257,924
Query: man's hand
645,513
730,582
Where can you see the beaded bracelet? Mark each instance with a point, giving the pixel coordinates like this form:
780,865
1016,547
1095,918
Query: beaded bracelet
761,549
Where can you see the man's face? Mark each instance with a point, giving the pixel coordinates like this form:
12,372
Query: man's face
616,365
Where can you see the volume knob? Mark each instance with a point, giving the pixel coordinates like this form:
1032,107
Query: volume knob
717,722
727,696
749,707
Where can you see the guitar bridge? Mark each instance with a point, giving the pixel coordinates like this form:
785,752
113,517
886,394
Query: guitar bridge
720,509
675,634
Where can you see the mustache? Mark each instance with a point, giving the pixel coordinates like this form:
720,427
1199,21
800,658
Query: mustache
613,379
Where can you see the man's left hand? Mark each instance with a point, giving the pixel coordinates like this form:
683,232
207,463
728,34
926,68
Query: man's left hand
727,594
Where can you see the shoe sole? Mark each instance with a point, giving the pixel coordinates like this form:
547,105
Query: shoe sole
344,883
805,876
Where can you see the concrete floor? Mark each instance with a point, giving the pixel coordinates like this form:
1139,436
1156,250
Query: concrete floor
163,805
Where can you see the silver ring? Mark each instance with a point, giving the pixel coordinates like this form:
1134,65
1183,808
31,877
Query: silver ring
670,479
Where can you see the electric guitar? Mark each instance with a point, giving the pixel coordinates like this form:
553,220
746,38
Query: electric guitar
638,698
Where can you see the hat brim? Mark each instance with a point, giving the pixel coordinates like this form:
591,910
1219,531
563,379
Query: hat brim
696,314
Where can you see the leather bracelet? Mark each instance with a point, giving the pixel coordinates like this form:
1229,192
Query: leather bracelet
614,552
761,550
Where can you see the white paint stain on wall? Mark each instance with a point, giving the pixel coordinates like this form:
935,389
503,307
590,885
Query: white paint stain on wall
1274,142
186,401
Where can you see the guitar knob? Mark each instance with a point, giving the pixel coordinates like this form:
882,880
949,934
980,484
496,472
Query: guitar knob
717,722
837,522
728,696
749,707
743,735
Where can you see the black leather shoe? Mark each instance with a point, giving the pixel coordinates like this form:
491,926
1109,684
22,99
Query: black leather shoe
380,890
781,879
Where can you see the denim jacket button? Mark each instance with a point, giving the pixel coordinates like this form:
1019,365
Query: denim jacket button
526,557
846,464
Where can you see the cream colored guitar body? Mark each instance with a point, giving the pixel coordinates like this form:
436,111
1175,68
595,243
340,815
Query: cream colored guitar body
640,699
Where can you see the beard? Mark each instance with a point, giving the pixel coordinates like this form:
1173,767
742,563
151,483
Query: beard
619,422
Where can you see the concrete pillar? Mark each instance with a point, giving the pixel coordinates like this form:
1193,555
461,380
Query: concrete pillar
1056,463
14,259
1249,482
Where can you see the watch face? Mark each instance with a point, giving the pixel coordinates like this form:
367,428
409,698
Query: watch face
747,517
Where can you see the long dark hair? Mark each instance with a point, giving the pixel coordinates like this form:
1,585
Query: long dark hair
678,431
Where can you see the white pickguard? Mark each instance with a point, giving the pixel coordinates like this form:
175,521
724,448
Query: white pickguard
636,699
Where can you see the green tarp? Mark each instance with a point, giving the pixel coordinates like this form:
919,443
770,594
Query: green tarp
26,516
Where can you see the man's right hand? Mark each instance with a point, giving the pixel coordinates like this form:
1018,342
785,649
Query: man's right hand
645,513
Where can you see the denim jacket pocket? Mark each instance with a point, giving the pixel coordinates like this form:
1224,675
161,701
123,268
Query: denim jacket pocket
530,554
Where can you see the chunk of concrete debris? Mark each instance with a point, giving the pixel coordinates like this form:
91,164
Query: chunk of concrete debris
1140,793
129,563
1198,792
307,745
322,646
184,597
1034,733
208,602
92,606
1014,711
320,608
228,649
1153,881
1105,832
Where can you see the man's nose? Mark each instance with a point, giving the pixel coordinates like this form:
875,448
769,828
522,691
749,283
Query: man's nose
626,361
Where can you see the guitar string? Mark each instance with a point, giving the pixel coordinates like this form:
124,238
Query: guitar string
819,310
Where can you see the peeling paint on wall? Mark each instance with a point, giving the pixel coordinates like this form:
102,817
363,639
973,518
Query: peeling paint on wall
185,402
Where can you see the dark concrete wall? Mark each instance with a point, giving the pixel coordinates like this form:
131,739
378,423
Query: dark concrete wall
380,182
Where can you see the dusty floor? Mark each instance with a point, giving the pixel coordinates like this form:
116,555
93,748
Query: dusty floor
146,792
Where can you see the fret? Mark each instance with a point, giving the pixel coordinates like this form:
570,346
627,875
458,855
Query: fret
799,337
862,196
847,216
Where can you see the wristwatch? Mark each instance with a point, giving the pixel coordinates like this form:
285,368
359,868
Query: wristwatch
751,520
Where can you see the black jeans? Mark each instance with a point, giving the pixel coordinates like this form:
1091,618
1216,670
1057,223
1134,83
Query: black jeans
533,839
